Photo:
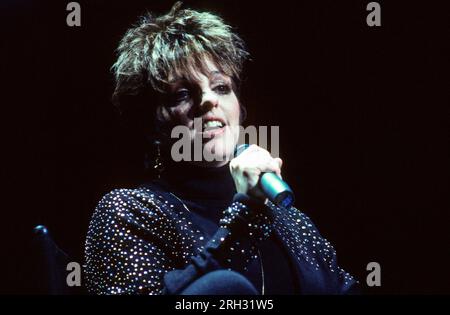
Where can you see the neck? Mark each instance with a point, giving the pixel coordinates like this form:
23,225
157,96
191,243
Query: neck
197,181
211,164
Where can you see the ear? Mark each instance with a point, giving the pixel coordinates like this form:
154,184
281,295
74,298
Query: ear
162,121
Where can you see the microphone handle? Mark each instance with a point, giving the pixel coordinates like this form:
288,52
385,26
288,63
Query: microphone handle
276,189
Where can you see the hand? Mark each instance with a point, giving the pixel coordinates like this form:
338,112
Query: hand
247,168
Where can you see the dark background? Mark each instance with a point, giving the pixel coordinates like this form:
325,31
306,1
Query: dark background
363,116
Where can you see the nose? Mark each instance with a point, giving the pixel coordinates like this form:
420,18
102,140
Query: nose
208,101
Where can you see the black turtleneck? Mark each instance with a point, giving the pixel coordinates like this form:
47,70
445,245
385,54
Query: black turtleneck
207,192
197,182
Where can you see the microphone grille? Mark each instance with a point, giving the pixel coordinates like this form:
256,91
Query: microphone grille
240,148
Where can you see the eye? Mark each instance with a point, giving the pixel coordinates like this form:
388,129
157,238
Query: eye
181,95
222,89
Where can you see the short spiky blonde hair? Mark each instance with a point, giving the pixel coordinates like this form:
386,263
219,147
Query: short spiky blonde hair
175,44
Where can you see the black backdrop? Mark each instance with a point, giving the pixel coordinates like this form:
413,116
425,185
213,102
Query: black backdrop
363,115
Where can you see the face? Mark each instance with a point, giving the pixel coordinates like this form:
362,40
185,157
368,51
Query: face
211,103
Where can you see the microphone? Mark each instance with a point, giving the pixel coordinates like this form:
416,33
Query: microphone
277,190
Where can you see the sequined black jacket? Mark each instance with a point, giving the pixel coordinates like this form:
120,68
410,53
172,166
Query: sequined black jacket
147,241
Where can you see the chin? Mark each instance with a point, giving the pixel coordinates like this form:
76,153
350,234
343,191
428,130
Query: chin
218,150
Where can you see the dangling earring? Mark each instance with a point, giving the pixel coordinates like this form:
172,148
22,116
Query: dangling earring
158,165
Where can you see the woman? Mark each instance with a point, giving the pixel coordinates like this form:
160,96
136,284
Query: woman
204,227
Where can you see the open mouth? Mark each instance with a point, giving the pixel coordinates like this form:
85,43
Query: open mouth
211,125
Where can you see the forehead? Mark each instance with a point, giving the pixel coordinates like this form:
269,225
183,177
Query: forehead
208,70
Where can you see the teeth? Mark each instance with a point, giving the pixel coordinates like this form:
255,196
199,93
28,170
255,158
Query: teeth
212,124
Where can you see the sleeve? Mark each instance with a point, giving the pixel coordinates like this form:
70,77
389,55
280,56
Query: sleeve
319,269
124,250
244,224
127,246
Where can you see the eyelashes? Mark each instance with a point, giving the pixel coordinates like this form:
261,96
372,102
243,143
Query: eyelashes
222,88
181,95
186,94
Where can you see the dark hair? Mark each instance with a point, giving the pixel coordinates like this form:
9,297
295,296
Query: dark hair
174,43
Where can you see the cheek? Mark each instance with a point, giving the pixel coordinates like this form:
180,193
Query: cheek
233,117
233,112
179,115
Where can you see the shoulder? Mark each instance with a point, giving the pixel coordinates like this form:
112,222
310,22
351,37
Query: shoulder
120,195
132,215
125,198
139,206
127,223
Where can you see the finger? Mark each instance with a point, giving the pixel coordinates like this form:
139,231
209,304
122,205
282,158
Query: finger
252,148
271,166
277,166
256,148
280,164
279,161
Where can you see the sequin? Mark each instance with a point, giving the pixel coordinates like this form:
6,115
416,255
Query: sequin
136,236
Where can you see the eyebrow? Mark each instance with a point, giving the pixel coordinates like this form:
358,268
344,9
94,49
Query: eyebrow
216,73
212,74
177,79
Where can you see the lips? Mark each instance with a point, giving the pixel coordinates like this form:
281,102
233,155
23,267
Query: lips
212,126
